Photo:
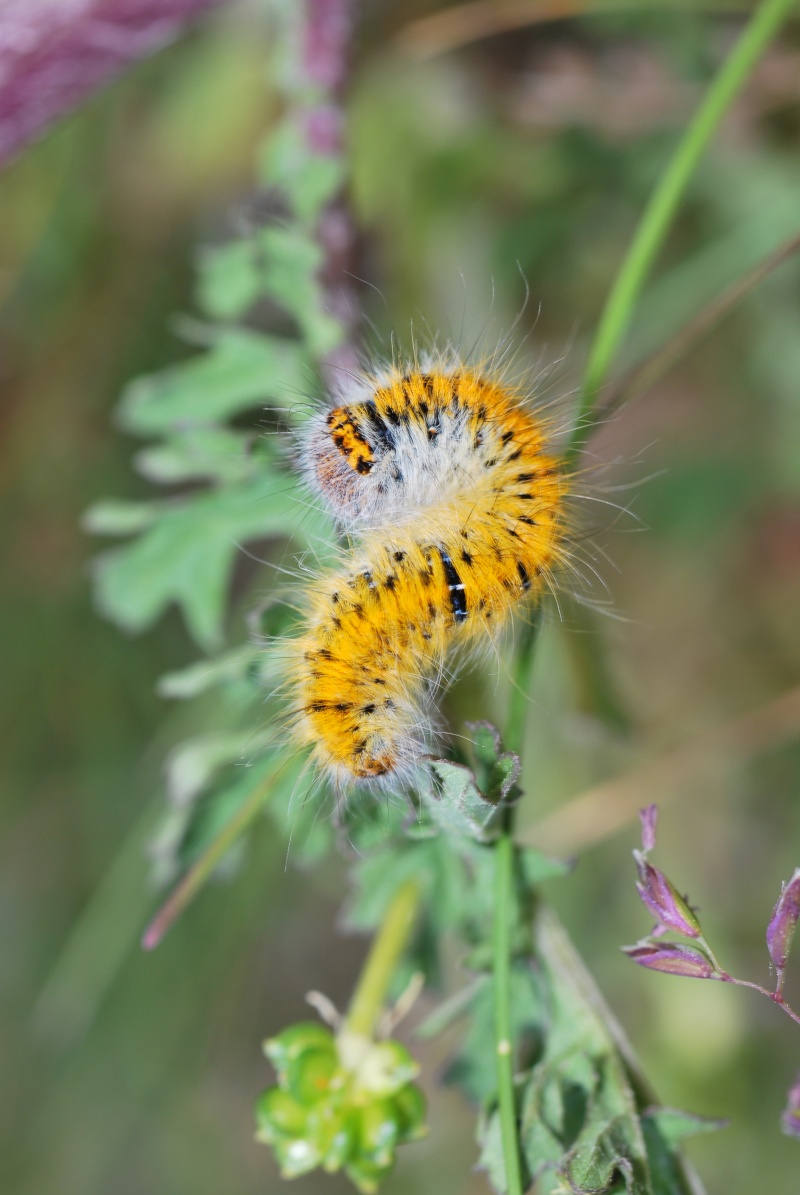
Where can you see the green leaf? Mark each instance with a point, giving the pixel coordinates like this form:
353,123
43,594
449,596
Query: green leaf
279,263
561,1101
475,1068
378,876
491,1158
301,809
293,259
211,836
186,557
231,667
579,1113
537,867
191,765
497,770
289,803
454,802
186,829
450,1010
308,180
213,453
604,1156
117,517
230,278
440,870
212,813
445,870
241,370
664,1129
675,1125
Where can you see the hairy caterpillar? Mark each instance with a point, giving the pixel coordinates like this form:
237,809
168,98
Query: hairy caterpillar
454,502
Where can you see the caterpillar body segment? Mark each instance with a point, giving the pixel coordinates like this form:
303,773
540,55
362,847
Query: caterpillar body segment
455,503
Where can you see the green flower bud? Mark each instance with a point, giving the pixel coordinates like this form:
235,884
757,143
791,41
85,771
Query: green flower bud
279,1115
343,1144
410,1108
325,1121
342,1103
385,1068
287,1046
367,1176
378,1131
308,1077
296,1155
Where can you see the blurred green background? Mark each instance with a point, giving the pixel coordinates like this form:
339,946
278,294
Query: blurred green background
524,155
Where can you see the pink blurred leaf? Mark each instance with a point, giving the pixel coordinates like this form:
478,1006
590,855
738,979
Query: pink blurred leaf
56,53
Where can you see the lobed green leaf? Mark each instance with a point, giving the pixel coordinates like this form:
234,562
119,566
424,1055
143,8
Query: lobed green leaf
454,802
278,263
115,516
229,668
241,370
187,555
205,453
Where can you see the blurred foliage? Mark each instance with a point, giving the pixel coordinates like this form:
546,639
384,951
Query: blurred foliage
514,156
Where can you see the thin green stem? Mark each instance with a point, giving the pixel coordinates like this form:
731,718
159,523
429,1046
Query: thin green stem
518,701
190,884
504,858
661,207
646,373
712,958
503,917
388,947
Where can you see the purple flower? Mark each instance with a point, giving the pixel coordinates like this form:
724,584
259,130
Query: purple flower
673,958
783,922
663,900
648,818
790,1121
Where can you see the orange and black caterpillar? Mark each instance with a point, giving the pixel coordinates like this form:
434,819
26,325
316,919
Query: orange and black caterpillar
455,507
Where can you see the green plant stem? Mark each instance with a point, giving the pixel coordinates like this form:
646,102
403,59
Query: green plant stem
663,202
503,895
388,947
504,858
518,701
646,373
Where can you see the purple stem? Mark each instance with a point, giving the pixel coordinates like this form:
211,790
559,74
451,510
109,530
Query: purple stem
329,25
776,997
56,53
327,40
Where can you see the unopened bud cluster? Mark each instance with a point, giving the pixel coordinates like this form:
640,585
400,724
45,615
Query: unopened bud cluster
694,959
672,913
342,1102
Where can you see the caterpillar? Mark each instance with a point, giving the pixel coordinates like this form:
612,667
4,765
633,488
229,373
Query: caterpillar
444,479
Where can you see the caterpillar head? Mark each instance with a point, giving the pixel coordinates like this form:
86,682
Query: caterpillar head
352,462
401,443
